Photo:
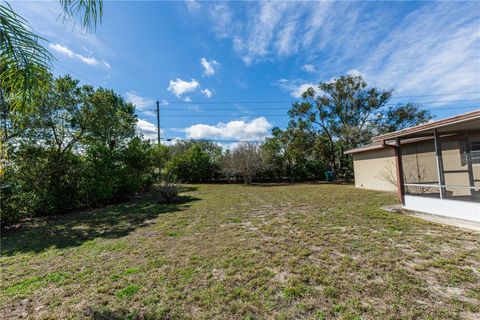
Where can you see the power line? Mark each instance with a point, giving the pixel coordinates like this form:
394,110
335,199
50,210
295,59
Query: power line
223,115
267,115
436,95
276,108
208,140
79,75
292,101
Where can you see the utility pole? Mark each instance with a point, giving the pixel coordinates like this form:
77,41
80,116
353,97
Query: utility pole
158,137
158,121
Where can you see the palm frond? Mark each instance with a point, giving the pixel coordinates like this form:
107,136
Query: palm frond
21,55
89,11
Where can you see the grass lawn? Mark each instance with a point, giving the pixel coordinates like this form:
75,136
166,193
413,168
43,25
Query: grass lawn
242,252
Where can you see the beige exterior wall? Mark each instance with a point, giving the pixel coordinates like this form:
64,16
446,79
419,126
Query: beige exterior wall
419,165
375,169
455,172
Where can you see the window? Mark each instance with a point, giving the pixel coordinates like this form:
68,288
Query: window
474,152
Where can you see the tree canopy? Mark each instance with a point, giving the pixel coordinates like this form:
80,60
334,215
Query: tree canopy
79,146
347,113
22,53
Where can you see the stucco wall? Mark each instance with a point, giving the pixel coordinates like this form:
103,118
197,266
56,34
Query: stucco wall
375,169
455,171
419,162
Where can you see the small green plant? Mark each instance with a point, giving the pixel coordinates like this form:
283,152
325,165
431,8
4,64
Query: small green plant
321,315
36,281
131,271
330,292
295,291
128,291
169,192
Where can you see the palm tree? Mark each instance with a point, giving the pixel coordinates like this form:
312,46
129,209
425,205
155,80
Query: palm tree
22,55
23,60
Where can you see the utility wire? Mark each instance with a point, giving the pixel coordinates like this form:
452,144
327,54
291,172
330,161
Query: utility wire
265,115
292,101
208,140
223,115
266,101
79,75
277,108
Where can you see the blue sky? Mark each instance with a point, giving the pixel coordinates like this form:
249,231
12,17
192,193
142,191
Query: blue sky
195,57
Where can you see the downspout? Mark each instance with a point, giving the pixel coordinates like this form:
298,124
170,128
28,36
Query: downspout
439,161
399,169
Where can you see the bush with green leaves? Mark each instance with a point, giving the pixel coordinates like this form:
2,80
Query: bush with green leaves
194,165
80,149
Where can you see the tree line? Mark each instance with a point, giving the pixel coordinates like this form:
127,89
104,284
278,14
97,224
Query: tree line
334,117
65,146
79,147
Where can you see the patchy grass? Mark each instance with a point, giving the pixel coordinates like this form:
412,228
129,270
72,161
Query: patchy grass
128,291
242,252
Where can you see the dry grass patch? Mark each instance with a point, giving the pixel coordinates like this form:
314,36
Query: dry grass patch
242,252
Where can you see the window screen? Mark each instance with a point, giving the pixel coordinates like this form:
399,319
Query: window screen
474,152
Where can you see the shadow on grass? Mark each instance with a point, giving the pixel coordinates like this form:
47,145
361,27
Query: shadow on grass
121,314
73,229
293,183
184,188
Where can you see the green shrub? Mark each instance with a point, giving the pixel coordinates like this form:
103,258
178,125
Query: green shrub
169,193
194,165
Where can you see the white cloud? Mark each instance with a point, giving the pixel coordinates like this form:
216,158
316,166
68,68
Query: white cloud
71,54
207,92
194,107
209,67
172,141
192,5
355,72
299,90
61,49
284,44
43,17
179,86
310,68
139,101
415,60
426,49
295,87
266,18
256,129
148,129
149,113
222,19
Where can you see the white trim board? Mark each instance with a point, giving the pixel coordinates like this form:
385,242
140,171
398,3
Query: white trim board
443,207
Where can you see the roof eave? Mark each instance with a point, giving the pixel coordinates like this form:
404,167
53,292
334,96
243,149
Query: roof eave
473,115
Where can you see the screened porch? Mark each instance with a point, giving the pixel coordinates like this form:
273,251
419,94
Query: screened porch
438,167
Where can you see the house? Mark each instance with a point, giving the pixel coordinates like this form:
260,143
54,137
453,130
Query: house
434,167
